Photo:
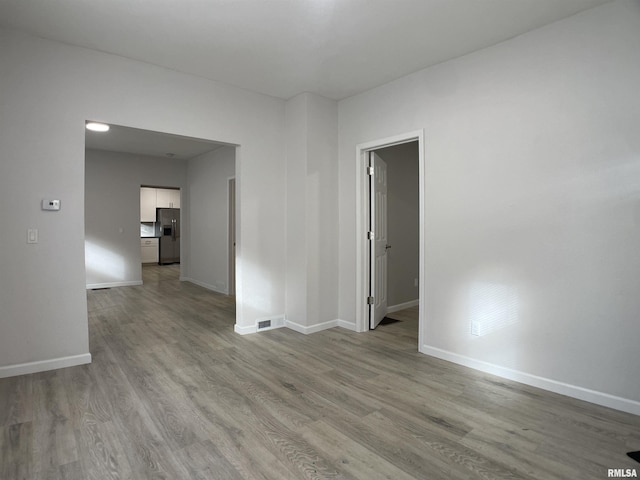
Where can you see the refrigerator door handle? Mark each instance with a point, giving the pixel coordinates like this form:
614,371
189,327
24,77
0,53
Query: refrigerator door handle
173,228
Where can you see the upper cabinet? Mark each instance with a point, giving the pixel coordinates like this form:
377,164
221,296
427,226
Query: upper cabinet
152,198
147,204
175,198
168,198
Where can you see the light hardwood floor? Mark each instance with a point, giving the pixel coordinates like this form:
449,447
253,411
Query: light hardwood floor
174,393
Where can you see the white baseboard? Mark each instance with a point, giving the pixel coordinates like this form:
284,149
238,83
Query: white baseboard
402,306
44,365
245,330
296,326
348,325
130,283
204,285
312,329
592,396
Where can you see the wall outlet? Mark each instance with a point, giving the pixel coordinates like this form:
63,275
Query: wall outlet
415,282
475,329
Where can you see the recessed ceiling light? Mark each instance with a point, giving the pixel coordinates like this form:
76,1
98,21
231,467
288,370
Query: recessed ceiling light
97,127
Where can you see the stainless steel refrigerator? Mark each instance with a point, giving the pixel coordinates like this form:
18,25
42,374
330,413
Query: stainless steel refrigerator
169,223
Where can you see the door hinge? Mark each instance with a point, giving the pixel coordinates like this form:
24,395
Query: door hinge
369,170
370,236
369,300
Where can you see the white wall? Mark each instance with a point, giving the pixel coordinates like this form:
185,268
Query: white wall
532,204
402,222
208,198
296,132
312,192
112,203
322,209
47,91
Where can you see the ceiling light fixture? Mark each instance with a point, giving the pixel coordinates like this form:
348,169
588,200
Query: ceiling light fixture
97,127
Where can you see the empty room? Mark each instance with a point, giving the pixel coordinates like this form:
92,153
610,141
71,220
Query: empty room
403,239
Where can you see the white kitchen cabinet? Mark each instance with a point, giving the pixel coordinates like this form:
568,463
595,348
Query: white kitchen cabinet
168,198
152,198
148,204
175,198
149,250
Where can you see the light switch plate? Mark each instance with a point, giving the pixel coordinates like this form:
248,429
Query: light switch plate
50,204
32,235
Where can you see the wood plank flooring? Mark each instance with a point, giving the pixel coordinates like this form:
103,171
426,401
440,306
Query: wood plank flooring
174,393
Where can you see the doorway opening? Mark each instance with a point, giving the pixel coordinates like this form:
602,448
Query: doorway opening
135,178
160,225
378,291
394,221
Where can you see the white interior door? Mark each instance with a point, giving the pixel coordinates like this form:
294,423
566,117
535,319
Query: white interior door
378,243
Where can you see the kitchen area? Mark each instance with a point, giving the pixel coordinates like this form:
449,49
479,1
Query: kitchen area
159,225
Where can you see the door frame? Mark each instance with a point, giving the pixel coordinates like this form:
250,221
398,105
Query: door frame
231,235
362,219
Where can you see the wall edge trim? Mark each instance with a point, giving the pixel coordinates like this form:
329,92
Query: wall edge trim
348,325
244,330
44,365
203,285
129,283
312,329
573,391
402,306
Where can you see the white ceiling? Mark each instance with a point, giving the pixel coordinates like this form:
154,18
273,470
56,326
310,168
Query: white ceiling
145,142
335,48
